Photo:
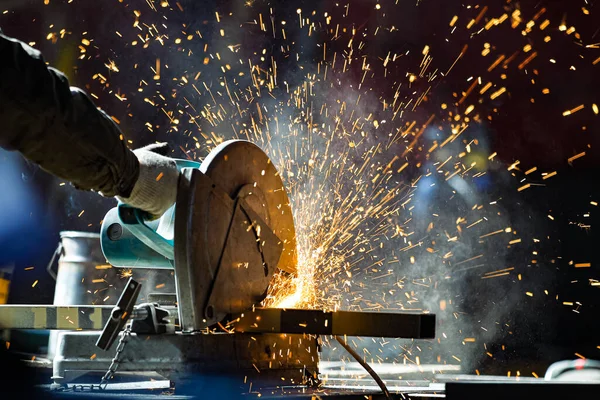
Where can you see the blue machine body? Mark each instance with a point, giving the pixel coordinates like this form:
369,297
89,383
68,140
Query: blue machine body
129,239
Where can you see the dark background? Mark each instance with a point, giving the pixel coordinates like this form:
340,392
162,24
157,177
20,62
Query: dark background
535,133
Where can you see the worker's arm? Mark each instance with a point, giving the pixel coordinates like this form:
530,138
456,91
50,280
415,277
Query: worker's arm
59,128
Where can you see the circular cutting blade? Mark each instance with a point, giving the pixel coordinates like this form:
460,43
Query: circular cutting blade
237,166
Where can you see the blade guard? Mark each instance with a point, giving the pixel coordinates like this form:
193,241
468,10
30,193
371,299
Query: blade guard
219,267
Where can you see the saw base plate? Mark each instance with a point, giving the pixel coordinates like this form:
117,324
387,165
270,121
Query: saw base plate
274,358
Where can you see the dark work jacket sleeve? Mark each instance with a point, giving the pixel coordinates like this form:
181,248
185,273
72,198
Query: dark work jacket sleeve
59,127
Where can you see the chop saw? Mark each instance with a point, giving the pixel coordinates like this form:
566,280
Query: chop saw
229,231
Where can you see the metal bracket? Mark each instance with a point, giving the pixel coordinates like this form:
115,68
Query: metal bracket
150,319
119,315
349,323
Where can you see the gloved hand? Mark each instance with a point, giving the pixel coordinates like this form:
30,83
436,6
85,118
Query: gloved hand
156,187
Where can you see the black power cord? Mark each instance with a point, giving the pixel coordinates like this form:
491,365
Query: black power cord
366,366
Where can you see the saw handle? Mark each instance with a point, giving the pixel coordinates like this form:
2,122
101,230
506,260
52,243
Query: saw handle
134,219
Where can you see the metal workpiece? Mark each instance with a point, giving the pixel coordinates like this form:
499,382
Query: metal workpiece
283,357
68,318
26,316
349,323
258,320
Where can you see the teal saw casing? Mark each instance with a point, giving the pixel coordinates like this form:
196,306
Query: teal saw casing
130,240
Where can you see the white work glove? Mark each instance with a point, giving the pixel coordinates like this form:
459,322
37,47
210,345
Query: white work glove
155,190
